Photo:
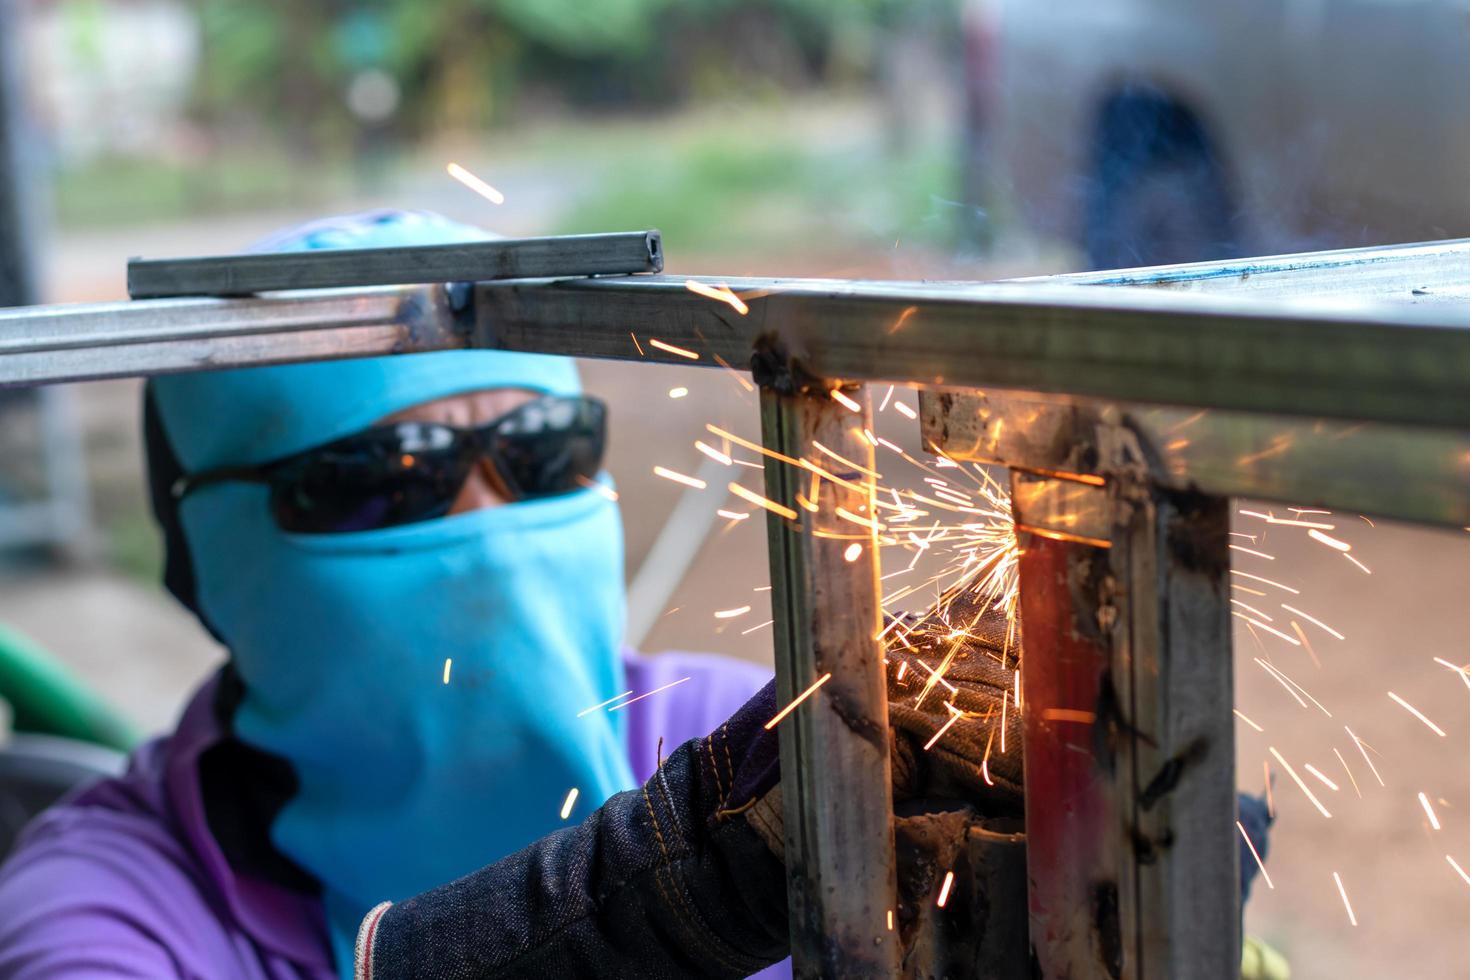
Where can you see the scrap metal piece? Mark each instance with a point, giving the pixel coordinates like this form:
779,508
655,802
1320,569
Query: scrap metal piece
504,258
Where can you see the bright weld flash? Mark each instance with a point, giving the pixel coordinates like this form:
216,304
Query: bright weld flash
944,889
1417,714
1259,863
688,481
798,699
475,184
721,293
840,398
679,392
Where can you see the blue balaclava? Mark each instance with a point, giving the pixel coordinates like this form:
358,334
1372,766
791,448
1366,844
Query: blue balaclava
402,781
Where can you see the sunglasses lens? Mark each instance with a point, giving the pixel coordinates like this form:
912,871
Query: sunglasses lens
399,475
549,446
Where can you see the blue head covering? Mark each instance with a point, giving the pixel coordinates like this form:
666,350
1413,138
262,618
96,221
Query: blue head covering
422,681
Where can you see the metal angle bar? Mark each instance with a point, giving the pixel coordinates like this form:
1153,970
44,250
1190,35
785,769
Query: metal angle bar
505,258
54,344
1368,361
841,877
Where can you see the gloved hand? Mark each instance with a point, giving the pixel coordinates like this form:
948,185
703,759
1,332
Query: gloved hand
681,877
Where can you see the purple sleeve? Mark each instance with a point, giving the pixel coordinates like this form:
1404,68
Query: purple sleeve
96,894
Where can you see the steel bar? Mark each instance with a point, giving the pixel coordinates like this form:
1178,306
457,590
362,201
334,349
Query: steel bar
834,746
1132,866
1425,272
505,258
1365,361
53,344
1304,462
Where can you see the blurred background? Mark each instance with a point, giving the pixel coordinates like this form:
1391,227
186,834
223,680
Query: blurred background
846,138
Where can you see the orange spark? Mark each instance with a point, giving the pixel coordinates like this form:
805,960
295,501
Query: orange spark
1417,714
944,889
1462,671
1298,780
597,487
603,704
688,481
1269,629
846,402
1345,903
1329,541
954,715
1318,773
1429,811
1259,863
1458,870
475,184
566,808
713,453
1248,551
732,613
720,292
798,699
779,510
733,514
904,410
757,626
1069,714
1247,720
1361,748
682,352
1313,620
852,552
1266,580
657,690
1366,570
636,344
1349,773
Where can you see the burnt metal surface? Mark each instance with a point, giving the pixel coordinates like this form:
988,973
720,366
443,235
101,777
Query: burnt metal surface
980,932
1301,462
503,258
1132,864
834,746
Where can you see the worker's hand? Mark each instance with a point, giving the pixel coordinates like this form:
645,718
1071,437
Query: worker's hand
951,707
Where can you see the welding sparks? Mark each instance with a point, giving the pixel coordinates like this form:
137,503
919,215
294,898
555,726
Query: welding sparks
1362,747
944,889
1267,581
751,496
1247,720
1069,714
713,453
1313,620
688,481
1349,773
734,515
1345,903
566,808
1462,671
1265,876
955,715
757,626
679,392
1298,780
890,920
1417,714
1429,811
602,704
720,293
598,487
1318,773
1329,541
1250,551
657,690
680,351
841,398
852,552
732,613
1458,870
475,184
448,662
798,699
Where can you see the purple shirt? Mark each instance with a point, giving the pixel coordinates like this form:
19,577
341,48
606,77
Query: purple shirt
124,878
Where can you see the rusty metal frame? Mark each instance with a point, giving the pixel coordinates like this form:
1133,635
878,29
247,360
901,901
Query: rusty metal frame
1127,415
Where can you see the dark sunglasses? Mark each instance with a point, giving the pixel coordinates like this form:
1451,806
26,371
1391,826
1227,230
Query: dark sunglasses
406,472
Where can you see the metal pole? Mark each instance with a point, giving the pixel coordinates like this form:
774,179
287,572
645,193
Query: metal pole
1130,752
834,747
19,192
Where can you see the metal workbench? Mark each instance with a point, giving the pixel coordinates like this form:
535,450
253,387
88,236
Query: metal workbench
1128,406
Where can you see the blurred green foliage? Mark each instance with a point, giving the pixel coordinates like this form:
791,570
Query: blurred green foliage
468,63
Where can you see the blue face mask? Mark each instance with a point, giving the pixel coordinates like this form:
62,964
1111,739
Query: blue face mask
405,781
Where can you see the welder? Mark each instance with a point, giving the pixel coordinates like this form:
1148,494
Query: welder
419,585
